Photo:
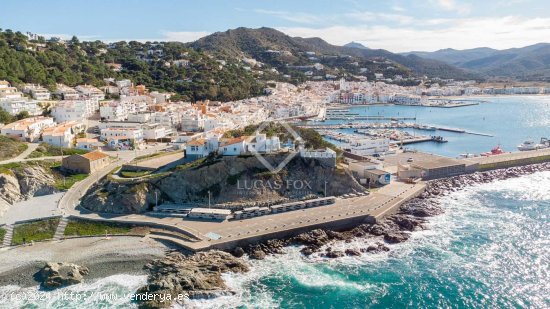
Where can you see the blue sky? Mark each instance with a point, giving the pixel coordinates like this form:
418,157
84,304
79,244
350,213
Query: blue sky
396,25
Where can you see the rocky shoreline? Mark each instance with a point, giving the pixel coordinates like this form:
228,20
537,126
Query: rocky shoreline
199,275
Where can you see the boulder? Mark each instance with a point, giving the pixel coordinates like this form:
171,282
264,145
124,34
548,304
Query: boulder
238,252
352,252
332,254
396,237
56,275
257,255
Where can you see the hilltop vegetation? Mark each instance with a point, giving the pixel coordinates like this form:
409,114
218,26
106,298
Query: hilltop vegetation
74,62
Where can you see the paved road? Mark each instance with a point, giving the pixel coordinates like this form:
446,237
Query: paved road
33,208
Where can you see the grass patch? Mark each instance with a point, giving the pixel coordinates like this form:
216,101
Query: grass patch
64,183
45,150
34,231
10,148
91,228
131,174
2,234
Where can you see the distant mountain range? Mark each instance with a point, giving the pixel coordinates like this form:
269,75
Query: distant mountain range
526,63
261,43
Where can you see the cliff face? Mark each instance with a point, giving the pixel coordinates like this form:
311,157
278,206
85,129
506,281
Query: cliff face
24,183
230,180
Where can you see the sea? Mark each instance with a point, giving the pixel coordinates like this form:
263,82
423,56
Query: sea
491,248
508,120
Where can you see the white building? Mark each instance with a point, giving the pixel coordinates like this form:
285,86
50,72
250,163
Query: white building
90,92
262,144
133,134
28,129
89,144
66,92
37,92
113,110
74,110
63,135
155,132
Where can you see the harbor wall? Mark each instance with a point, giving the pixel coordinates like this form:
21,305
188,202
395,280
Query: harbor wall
337,225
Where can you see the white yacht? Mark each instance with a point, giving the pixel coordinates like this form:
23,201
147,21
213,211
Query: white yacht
528,145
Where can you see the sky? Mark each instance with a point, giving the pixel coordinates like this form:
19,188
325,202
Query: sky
395,25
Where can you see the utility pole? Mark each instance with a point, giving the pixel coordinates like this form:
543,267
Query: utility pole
325,188
156,199
208,199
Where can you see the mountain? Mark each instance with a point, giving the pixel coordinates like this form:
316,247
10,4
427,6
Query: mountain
282,51
526,63
356,45
454,56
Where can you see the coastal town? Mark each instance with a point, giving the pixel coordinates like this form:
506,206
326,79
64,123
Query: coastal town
195,163
116,133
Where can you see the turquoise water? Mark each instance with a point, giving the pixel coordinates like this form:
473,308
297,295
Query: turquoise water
511,120
490,250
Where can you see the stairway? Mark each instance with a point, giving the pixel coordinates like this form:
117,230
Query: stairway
8,236
60,231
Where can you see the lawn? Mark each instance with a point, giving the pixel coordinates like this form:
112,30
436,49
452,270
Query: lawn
34,231
64,183
45,150
91,228
10,148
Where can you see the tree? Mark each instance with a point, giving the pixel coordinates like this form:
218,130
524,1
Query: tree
22,115
5,117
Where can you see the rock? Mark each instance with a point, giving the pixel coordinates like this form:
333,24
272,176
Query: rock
35,181
257,255
376,248
238,252
396,237
56,275
352,252
333,254
406,222
317,238
198,276
307,251
9,188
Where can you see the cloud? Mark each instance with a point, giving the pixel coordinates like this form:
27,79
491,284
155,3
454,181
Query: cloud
368,16
398,8
462,33
297,17
452,5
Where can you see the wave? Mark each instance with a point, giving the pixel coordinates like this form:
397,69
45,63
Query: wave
109,292
489,249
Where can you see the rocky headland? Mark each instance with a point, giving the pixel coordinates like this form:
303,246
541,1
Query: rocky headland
199,275
230,180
